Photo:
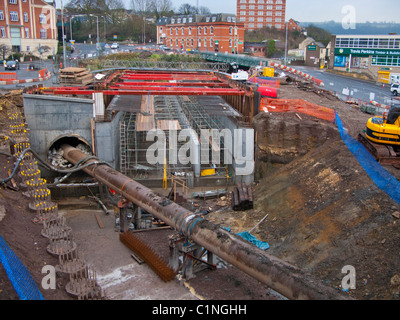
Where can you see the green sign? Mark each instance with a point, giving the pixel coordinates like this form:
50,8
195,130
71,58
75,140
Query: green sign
312,48
366,52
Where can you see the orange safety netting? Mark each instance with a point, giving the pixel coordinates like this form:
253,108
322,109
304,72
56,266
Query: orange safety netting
297,105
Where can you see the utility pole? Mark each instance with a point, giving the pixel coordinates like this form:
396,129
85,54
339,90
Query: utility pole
286,43
63,36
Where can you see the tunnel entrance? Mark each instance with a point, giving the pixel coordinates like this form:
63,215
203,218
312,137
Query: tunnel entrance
55,155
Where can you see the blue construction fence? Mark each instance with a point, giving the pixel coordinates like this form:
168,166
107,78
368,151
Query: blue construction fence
381,177
18,274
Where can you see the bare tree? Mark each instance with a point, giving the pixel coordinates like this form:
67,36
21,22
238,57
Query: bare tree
186,9
141,6
160,8
4,50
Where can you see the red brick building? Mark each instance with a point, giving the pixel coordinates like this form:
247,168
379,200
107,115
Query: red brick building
257,14
293,25
27,25
214,32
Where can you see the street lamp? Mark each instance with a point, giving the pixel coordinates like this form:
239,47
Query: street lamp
286,42
63,37
97,45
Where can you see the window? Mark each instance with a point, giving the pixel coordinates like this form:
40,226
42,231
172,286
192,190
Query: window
3,32
1,15
199,30
176,30
211,43
12,1
230,30
205,30
43,34
13,15
389,61
27,33
183,31
25,16
199,44
42,18
211,30
190,31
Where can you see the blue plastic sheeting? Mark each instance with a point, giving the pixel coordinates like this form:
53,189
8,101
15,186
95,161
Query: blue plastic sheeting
249,237
19,276
381,177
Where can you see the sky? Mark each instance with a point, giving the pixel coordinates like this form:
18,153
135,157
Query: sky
311,10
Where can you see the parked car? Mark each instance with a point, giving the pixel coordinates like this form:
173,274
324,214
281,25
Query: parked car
115,45
12,65
395,88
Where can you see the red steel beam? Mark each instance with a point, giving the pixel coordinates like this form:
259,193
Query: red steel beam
169,77
170,84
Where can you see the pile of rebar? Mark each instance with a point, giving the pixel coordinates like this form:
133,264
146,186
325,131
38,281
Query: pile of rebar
153,260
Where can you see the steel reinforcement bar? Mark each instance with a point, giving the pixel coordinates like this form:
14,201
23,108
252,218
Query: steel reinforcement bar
277,274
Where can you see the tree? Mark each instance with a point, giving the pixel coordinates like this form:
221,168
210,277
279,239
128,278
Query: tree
204,10
187,9
4,50
270,48
141,6
160,8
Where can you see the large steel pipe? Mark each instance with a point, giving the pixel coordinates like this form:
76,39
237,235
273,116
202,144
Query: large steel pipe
277,274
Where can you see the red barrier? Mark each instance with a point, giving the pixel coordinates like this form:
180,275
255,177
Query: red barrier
8,76
42,73
297,72
268,92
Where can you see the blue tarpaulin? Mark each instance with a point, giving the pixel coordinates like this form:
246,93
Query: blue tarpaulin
249,237
381,177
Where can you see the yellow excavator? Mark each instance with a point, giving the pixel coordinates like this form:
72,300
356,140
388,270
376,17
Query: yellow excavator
382,137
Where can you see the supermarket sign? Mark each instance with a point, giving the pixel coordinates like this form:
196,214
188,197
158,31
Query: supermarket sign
366,52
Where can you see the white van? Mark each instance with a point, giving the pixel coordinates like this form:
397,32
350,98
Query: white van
395,88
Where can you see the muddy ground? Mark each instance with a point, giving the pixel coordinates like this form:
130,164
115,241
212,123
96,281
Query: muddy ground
324,213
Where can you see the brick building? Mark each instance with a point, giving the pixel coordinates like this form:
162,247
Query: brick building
27,25
257,14
214,32
293,25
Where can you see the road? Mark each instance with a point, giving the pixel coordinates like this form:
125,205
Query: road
357,89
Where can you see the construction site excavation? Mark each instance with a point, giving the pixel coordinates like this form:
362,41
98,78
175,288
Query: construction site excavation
194,185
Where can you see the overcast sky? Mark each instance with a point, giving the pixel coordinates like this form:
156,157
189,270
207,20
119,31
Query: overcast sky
311,10
317,10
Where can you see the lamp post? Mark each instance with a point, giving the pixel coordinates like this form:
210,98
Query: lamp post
97,44
286,42
63,36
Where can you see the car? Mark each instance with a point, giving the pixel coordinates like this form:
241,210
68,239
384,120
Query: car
12,65
115,45
395,89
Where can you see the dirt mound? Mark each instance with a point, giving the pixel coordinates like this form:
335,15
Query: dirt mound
326,213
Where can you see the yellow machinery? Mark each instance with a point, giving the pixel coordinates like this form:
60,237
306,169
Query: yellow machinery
382,138
385,130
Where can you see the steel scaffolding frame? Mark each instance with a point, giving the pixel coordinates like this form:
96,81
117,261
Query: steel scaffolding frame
167,65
